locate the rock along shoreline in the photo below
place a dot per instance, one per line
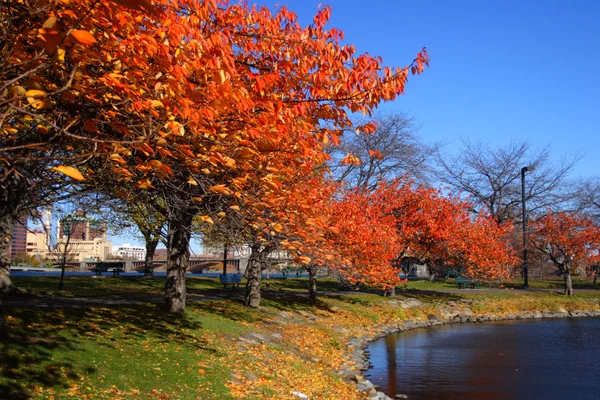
(450, 313)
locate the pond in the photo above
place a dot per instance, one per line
(537, 359)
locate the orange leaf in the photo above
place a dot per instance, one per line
(84, 37)
(70, 172)
(207, 219)
(138, 5)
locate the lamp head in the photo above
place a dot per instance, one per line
(528, 168)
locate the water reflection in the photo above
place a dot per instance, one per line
(542, 359)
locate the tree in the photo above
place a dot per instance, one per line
(61, 66)
(587, 197)
(441, 231)
(138, 214)
(571, 241)
(491, 177)
(310, 232)
(182, 99)
(62, 247)
(393, 150)
(365, 239)
(266, 86)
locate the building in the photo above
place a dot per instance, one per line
(78, 226)
(19, 239)
(81, 238)
(98, 249)
(129, 252)
(160, 255)
(37, 244)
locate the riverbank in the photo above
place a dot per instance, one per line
(449, 313)
(223, 350)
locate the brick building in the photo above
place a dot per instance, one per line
(19, 240)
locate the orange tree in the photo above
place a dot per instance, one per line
(261, 85)
(310, 232)
(571, 241)
(365, 240)
(441, 231)
(62, 97)
(265, 218)
(180, 98)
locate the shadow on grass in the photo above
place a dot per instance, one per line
(554, 284)
(87, 286)
(45, 348)
(430, 295)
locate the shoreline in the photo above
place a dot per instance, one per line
(360, 356)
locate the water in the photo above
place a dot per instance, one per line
(539, 359)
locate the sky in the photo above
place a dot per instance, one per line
(499, 70)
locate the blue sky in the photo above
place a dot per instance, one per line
(500, 70)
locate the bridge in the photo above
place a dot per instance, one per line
(195, 265)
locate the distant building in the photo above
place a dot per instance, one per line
(82, 238)
(79, 226)
(37, 244)
(19, 240)
(160, 255)
(216, 250)
(130, 252)
(82, 250)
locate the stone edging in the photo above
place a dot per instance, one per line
(360, 354)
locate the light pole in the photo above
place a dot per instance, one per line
(525, 266)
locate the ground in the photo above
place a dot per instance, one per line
(108, 338)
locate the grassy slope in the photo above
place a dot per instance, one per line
(139, 352)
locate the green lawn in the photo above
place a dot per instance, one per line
(108, 286)
(135, 352)
(78, 352)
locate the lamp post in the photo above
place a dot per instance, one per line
(67, 224)
(525, 266)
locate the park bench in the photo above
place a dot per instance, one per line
(116, 268)
(287, 272)
(451, 273)
(465, 283)
(233, 279)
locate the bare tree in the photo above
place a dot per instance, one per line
(492, 177)
(135, 215)
(393, 150)
(587, 197)
(63, 247)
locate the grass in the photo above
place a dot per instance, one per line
(106, 352)
(141, 352)
(129, 287)
(547, 284)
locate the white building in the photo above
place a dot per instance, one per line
(37, 244)
(97, 249)
(129, 252)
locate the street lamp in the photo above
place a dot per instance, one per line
(525, 266)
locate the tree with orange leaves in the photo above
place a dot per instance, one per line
(366, 241)
(571, 241)
(181, 98)
(441, 231)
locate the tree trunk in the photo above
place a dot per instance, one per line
(568, 283)
(151, 244)
(7, 224)
(312, 279)
(254, 274)
(178, 256)
(61, 282)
